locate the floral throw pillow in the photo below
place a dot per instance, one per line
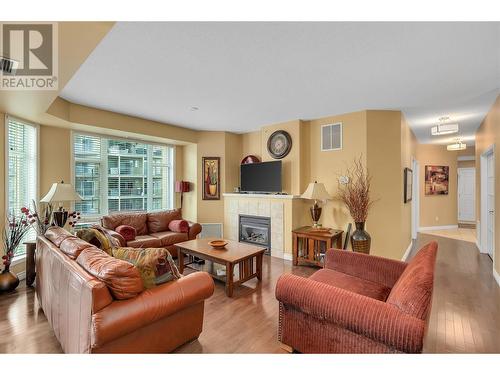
(95, 237)
(155, 266)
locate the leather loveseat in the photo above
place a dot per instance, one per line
(90, 316)
(152, 229)
(358, 304)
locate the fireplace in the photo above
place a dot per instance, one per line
(256, 230)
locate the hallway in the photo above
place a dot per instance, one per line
(465, 315)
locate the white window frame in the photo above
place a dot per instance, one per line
(20, 258)
(104, 167)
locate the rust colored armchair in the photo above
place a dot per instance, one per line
(358, 304)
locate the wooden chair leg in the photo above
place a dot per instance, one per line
(286, 348)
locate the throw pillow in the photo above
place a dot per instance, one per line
(127, 232)
(179, 226)
(99, 238)
(155, 266)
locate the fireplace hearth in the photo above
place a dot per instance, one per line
(256, 230)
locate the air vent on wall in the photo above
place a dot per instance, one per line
(8, 66)
(331, 137)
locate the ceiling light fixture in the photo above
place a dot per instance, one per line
(457, 146)
(443, 128)
(194, 108)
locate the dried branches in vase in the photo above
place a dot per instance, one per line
(42, 220)
(354, 192)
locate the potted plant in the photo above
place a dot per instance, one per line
(14, 232)
(354, 192)
(212, 187)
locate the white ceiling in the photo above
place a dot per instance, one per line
(242, 76)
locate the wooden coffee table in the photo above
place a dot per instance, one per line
(247, 257)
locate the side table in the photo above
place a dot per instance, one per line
(30, 262)
(310, 245)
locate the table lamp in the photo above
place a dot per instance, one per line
(182, 187)
(60, 193)
(317, 192)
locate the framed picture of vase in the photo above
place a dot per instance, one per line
(436, 179)
(211, 178)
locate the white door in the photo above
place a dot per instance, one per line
(466, 194)
(490, 204)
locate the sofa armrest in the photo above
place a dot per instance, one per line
(368, 267)
(362, 315)
(194, 229)
(125, 316)
(115, 235)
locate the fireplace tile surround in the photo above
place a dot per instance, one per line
(284, 211)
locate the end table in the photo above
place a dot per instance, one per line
(310, 245)
(30, 262)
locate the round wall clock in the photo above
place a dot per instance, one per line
(279, 144)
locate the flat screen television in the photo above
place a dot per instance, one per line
(261, 177)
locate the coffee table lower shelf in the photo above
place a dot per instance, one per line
(245, 268)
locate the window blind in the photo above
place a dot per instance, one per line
(22, 169)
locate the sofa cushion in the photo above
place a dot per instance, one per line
(57, 235)
(179, 226)
(155, 266)
(412, 293)
(170, 238)
(158, 221)
(138, 220)
(73, 246)
(121, 277)
(127, 232)
(145, 241)
(352, 283)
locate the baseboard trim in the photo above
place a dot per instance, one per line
(407, 252)
(442, 227)
(287, 256)
(496, 276)
(479, 246)
(21, 275)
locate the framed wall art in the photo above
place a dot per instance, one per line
(408, 188)
(211, 178)
(436, 179)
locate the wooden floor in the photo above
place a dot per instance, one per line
(465, 316)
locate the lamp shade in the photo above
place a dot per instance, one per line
(61, 192)
(316, 191)
(182, 186)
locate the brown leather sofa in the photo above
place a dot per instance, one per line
(152, 229)
(87, 318)
(358, 304)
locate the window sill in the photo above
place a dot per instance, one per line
(18, 260)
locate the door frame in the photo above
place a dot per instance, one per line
(415, 201)
(490, 151)
(458, 190)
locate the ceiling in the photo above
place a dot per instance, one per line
(242, 76)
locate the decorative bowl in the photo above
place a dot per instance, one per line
(218, 244)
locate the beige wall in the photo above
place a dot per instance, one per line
(55, 157)
(327, 166)
(489, 135)
(386, 145)
(438, 210)
(190, 163)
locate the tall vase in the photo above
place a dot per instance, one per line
(360, 239)
(8, 280)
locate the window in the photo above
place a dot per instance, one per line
(120, 175)
(22, 166)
